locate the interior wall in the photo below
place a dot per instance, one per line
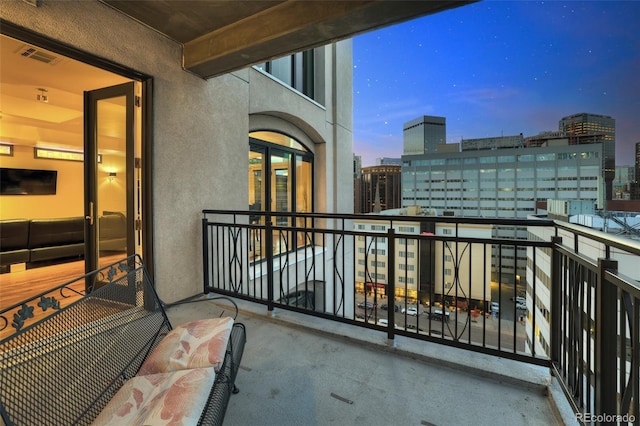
(68, 200)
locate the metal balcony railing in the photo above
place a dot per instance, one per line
(534, 290)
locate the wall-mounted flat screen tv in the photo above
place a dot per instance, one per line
(27, 181)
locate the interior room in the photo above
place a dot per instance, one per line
(42, 197)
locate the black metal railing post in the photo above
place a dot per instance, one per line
(391, 283)
(205, 256)
(606, 371)
(556, 301)
(268, 230)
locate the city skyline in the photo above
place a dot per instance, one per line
(499, 68)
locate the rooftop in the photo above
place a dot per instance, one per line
(300, 370)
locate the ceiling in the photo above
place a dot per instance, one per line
(220, 36)
(57, 123)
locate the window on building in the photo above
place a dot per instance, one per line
(296, 71)
(280, 180)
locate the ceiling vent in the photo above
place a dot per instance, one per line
(27, 51)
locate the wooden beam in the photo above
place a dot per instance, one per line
(294, 26)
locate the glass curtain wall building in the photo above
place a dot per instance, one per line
(423, 134)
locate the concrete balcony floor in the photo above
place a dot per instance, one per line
(301, 370)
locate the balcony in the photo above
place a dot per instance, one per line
(515, 305)
(302, 370)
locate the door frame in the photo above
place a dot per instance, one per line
(91, 202)
(20, 33)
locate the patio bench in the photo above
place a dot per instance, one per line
(109, 355)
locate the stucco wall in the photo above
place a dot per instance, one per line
(200, 127)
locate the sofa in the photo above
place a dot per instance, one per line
(113, 232)
(44, 240)
(51, 239)
(14, 241)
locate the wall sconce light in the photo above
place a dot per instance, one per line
(112, 176)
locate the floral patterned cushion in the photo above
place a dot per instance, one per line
(196, 344)
(175, 398)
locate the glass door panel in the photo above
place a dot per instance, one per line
(281, 201)
(303, 196)
(257, 188)
(110, 202)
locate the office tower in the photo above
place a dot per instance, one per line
(357, 166)
(602, 126)
(636, 183)
(623, 184)
(379, 189)
(423, 135)
(502, 183)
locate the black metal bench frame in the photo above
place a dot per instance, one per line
(64, 368)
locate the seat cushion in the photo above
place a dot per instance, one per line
(196, 344)
(176, 398)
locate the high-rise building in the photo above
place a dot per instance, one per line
(423, 135)
(595, 125)
(379, 189)
(623, 183)
(636, 182)
(357, 166)
(502, 183)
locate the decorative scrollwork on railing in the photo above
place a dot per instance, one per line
(457, 261)
(337, 273)
(19, 315)
(235, 260)
(23, 314)
(628, 395)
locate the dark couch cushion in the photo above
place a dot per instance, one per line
(113, 232)
(56, 232)
(14, 238)
(14, 234)
(57, 252)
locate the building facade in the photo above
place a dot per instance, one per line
(596, 125)
(538, 324)
(422, 135)
(423, 268)
(503, 183)
(379, 189)
(636, 183)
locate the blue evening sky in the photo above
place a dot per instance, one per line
(499, 68)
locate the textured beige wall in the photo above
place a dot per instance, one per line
(200, 127)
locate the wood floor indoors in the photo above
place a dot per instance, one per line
(20, 285)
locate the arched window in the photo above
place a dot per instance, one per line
(280, 177)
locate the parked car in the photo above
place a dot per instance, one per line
(521, 305)
(385, 307)
(439, 315)
(519, 299)
(410, 311)
(368, 305)
(385, 322)
(495, 307)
